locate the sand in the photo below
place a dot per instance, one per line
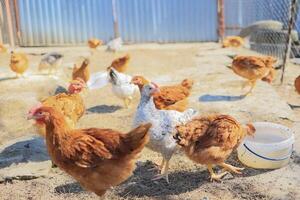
(164, 64)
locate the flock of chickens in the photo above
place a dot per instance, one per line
(102, 158)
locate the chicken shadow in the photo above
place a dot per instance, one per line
(31, 150)
(8, 78)
(69, 188)
(103, 109)
(214, 98)
(140, 184)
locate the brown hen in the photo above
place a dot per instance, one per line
(254, 68)
(170, 97)
(83, 71)
(120, 64)
(18, 63)
(97, 158)
(209, 140)
(93, 43)
(71, 105)
(233, 41)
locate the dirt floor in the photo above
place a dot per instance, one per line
(216, 89)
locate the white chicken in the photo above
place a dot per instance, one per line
(122, 86)
(115, 44)
(163, 126)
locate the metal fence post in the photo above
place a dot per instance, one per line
(115, 19)
(221, 22)
(287, 52)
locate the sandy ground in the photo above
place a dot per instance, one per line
(164, 64)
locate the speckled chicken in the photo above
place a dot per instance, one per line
(83, 71)
(163, 125)
(254, 68)
(297, 84)
(170, 97)
(97, 158)
(51, 61)
(71, 105)
(18, 63)
(233, 41)
(209, 140)
(93, 43)
(121, 64)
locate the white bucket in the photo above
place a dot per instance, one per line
(270, 148)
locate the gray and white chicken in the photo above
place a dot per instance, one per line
(163, 126)
(50, 62)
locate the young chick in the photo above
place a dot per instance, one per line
(51, 61)
(163, 125)
(233, 41)
(170, 97)
(121, 64)
(209, 140)
(97, 158)
(71, 105)
(297, 84)
(83, 71)
(254, 68)
(18, 63)
(122, 86)
(93, 43)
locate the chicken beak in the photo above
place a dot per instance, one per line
(30, 116)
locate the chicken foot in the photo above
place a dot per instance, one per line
(231, 168)
(164, 172)
(213, 175)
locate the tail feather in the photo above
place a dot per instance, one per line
(250, 129)
(113, 76)
(187, 83)
(138, 137)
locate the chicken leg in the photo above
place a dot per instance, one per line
(213, 176)
(231, 168)
(127, 102)
(164, 172)
(252, 85)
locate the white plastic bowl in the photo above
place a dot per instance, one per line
(270, 148)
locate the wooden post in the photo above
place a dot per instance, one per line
(221, 21)
(1, 23)
(9, 23)
(115, 19)
(287, 52)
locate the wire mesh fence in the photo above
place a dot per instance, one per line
(264, 25)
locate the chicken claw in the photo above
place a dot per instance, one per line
(213, 176)
(165, 175)
(231, 168)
